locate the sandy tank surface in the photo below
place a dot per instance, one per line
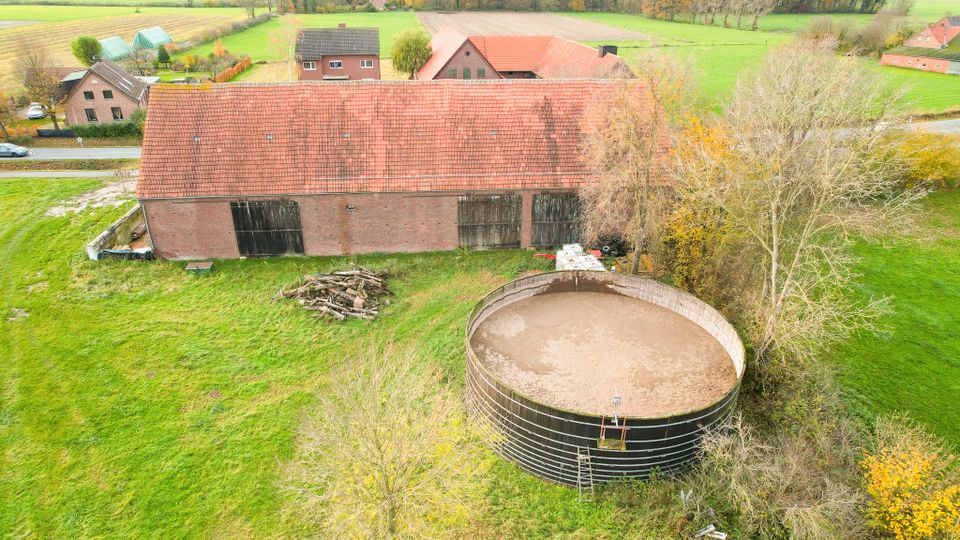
(576, 350)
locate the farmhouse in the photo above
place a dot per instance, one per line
(456, 56)
(102, 94)
(402, 166)
(337, 54)
(936, 48)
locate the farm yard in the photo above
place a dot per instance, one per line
(58, 26)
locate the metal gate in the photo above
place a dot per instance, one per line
(267, 228)
(489, 220)
(556, 219)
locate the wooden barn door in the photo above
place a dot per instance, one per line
(267, 228)
(491, 221)
(555, 219)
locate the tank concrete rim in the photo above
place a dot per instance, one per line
(738, 357)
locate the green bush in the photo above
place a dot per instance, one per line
(118, 129)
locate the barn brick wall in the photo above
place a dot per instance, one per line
(333, 224)
(936, 65)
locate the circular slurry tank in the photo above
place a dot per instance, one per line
(548, 355)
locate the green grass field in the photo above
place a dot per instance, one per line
(256, 41)
(139, 401)
(914, 365)
(719, 55)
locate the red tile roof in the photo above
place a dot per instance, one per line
(444, 44)
(550, 57)
(371, 136)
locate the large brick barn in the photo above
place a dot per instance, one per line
(320, 169)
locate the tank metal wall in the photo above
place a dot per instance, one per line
(547, 441)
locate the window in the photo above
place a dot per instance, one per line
(452, 73)
(466, 73)
(91, 115)
(117, 113)
(336, 64)
(309, 66)
(481, 73)
(108, 94)
(87, 94)
(366, 63)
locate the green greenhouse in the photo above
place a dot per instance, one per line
(151, 38)
(114, 48)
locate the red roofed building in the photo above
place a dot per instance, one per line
(456, 56)
(254, 169)
(936, 48)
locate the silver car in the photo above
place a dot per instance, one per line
(35, 112)
(12, 150)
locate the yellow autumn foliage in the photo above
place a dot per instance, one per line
(932, 159)
(913, 485)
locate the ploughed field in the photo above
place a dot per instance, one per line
(56, 34)
(524, 24)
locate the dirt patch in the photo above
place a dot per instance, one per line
(118, 191)
(526, 24)
(17, 313)
(577, 350)
(14, 24)
(40, 286)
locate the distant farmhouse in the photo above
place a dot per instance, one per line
(391, 166)
(936, 48)
(456, 56)
(103, 94)
(338, 54)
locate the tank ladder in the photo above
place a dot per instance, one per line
(584, 475)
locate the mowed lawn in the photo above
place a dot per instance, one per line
(913, 366)
(255, 42)
(138, 401)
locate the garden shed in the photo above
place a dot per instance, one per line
(151, 38)
(114, 48)
(245, 169)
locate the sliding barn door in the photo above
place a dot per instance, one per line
(556, 218)
(489, 221)
(267, 228)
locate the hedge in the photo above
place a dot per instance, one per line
(117, 129)
(232, 72)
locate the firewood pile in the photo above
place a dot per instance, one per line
(357, 292)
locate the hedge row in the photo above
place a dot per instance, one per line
(232, 72)
(117, 129)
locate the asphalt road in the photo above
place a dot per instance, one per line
(119, 152)
(61, 174)
(939, 126)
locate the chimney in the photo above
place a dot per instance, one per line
(342, 25)
(607, 49)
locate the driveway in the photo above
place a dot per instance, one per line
(938, 126)
(119, 152)
(62, 174)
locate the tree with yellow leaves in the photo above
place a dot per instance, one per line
(913, 483)
(218, 49)
(388, 453)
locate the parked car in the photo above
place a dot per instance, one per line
(12, 150)
(35, 112)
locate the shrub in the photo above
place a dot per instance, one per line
(85, 48)
(913, 483)
(932, 159)
(117, 129)
(232, 72)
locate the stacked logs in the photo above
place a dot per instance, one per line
(357, 292)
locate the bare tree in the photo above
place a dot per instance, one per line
(250, 6)
(806, 165)
(759, 8)
(140, 61)
(627, 153)
(283, 41)
(388, 453)
(7, 114)
(39, 83)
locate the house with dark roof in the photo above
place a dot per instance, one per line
(935, 48)
(338, 54)
(104, 93)
(457, 56)
(247, 169)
